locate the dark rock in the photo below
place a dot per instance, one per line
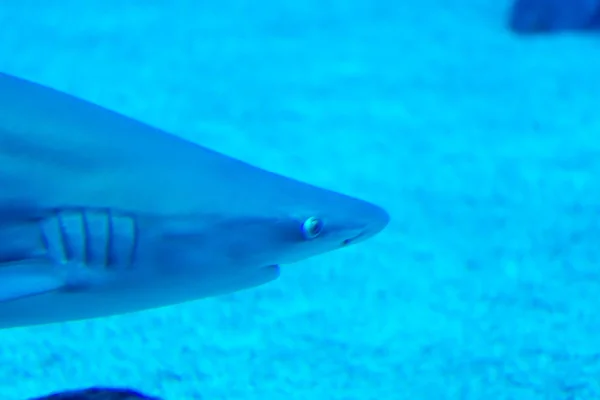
(98, 394)
(545, 16)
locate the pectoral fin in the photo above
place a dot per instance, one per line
(24, 279)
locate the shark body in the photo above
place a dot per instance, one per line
(101, 214)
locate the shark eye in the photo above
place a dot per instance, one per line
(311, 228)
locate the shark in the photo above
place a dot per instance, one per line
(102, 214)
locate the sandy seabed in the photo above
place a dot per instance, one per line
(484, 147)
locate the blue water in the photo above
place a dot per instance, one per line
(484, 147)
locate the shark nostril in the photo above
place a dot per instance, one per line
(353, 239)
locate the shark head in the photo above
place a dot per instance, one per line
(285, 233)
(311, 231)
(303, 221)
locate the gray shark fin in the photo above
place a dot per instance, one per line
(24, 279)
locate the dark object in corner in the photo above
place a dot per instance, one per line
(98, 394)
(545, 16)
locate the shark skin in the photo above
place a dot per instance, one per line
(101, 214)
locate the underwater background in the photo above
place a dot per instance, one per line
(483, 146)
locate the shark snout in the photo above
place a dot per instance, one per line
(373, 219)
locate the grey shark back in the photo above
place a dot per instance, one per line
(101, 214)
